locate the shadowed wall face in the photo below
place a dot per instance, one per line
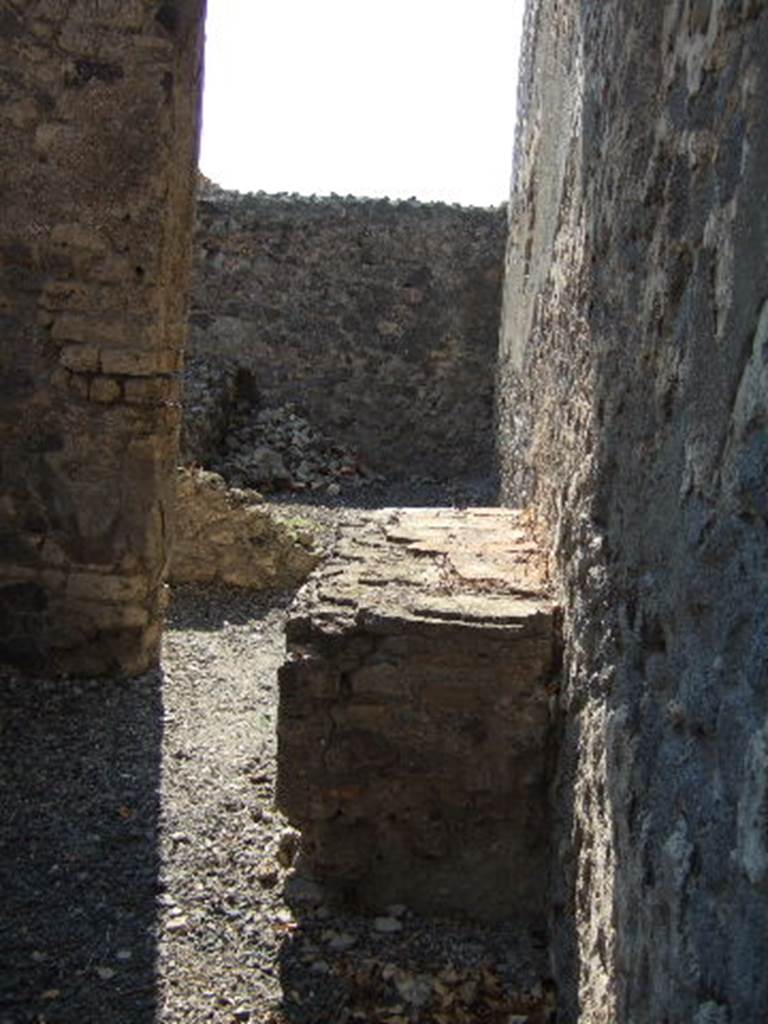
(633, 415)
(97, 153)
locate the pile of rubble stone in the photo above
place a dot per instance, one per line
(230, 535)
(277, 449)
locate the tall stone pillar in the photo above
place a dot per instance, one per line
(98, 134)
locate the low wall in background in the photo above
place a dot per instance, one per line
(378, 319)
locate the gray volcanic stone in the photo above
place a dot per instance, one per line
(634, 418)
(413, 722)
(378, 319)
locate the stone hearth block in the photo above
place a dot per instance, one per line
(413, 723)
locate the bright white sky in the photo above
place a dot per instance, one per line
(398, 98)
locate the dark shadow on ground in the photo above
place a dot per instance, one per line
(79, 861)
(211, 606)
(467, 492)
(337, 967)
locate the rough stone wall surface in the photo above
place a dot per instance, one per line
(634, 381)
(414, 728)
(379, 319)
(99, 119)
(209, 394)
(233, 537)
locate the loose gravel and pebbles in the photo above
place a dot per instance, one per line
(147, 879)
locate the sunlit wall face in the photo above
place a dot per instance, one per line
(403, 98)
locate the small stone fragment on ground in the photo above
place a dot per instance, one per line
(268, 875)
(288, 847)
(303, 890)
(387, 924)
(340, 941)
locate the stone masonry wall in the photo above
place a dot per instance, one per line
(99, 120)
(379, 319)
(634, 381)
(413, 724)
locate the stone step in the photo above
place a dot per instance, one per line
(414, 726)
